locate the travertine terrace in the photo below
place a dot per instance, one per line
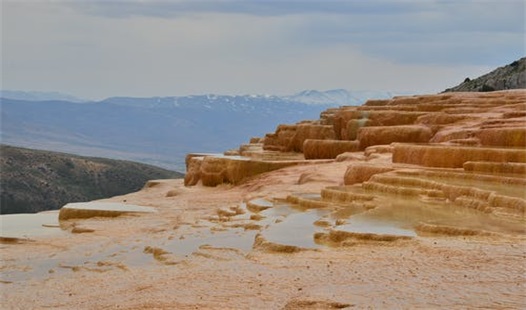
(412, 202)
(453, 149)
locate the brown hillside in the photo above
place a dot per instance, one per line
(34, 180)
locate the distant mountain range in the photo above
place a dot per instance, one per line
(511, 76)
(158, 130)
(329, 97)
(38, 96)
(34, 181)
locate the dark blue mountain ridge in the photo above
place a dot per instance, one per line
(39, 96)
(155, 130)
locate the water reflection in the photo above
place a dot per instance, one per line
(279, 223)
(28, 226)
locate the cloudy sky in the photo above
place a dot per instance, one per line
(96, 49)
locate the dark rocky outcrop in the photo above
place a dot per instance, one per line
(512, 76)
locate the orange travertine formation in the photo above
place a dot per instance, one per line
(464, 150)
(443, 131)
(213, 170)
(328, 149)
(479, 119)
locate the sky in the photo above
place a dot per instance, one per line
(141, 48)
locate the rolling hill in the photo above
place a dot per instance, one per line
(34, 181)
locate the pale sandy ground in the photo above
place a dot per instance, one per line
(120, 264)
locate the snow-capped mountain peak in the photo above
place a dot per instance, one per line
(337, 97)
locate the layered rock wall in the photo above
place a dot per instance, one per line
(444, 156)
(477, 119)
(213, 170)
(328, 149)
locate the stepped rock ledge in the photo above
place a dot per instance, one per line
(410, 202)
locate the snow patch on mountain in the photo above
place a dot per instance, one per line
(339, 97)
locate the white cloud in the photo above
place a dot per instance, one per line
(145, 48)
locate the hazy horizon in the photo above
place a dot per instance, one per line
(73, 97)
